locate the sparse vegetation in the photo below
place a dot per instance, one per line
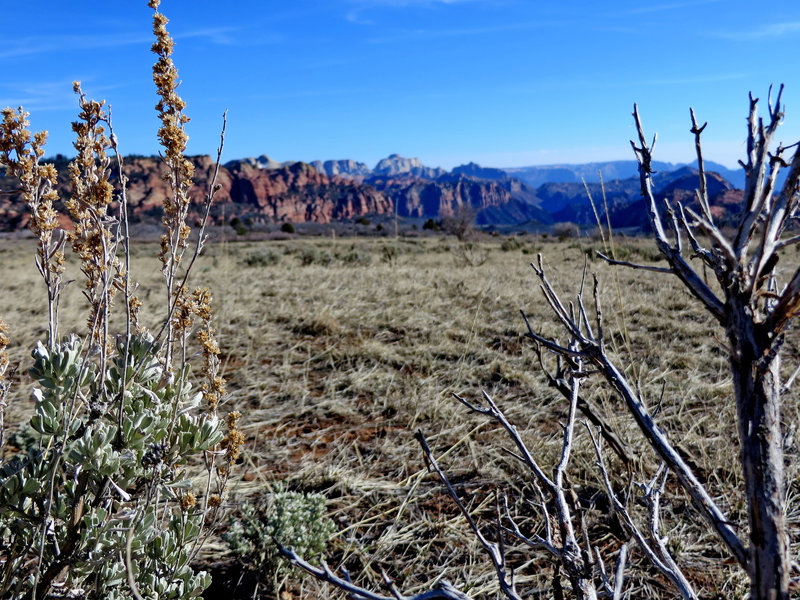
(461, 224)
(566, 230)
(335, 367)
(262, 258)
(431, 225)
(753, 303)
(510, 243)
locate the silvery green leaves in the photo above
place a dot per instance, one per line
(153, 547)
(64, 376)
(56, 368)
(197, 433)
(293, 519)
(98, 490)
(143, 366)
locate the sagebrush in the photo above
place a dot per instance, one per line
(124, 463)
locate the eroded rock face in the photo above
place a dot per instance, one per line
(395, 165)
(345, 168)
(264, 191)
(443, 197)
(300, 193)
(296, 193)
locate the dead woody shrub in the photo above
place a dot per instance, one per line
(753, 303)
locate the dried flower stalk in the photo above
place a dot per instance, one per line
(235, 438)
(94, 238)
(4, 382)
(3, 352)
(179, 170)
(20, 153)
(214, 387)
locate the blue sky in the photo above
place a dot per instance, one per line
(500, 82)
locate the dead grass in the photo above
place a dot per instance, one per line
(336, 351)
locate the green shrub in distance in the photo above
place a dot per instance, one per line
(389, 253)
(510, 243)
(238, 226)
(355, 257)
(311, 255)
(262, 258)
(287, 227)
(431, 225)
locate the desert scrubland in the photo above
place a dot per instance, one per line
(336, 351)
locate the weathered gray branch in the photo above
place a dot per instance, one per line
(654, 548)
(754, 315)
(592, 351)
(493, 550)
(577, 562)
(702, 192)
(558, 381)
(324, 573)
(671, 250)
(625, 263)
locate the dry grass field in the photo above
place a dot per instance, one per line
(336, 351)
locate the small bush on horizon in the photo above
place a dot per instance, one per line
(510, 243)
(566, 229)
(431, 225)
(263, 258)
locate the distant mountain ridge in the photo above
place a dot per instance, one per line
(534, 176)
(262, 190)
(616, 169)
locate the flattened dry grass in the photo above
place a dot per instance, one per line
(336, 351)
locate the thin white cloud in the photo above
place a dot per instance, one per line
(231, 36)
(36, 45)
(33, 45)
(651, 8)
(763, 32)
(417, 34)
(51, 95)
(355, 15)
